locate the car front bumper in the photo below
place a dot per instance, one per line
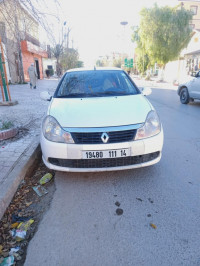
(68, 157)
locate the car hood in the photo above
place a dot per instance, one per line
(100, 111)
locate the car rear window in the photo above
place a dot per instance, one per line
(96, 83)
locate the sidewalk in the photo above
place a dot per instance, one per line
(153, 83)
(15, 153)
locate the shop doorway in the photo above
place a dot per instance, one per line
(37, 68)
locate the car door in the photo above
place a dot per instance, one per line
(194, 89)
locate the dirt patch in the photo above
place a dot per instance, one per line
(26, 204)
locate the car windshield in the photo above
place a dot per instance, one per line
(96, 83)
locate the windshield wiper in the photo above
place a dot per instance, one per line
(72, 95)
(80, 95)
(116, 93)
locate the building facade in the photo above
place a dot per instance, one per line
(194, 7)
(49, 64)
(188, 63)
(32, 54)
(19, 32)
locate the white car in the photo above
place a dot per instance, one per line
(98, 120)
(190, 90)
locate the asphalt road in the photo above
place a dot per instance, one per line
(82, 227)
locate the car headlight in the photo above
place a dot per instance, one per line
(150, 128)
(54, 132)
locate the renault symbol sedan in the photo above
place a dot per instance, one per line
(98, 120)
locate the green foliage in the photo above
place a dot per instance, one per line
(117, 63)
(142, 62)
(51, 72)
(136, 37)
(57, 51)
(80, 64)
(69, 59)
(100, 63)
(5, 125)
(163, 32)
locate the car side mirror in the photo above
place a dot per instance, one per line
(44, 95)
(146, 91)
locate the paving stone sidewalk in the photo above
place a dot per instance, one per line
(27, 115)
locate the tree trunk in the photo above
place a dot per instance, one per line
(161, 73)
(20, 64)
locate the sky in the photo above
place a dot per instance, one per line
(95, 24)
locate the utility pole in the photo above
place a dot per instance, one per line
(68, 31)
(3, 76)
(18, 37)
(123, 23)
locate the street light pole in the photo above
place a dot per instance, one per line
(63, 33)
(123, 23)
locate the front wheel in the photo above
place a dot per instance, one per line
(184, 96)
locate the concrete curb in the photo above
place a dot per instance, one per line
(24, 166)
(9, 103)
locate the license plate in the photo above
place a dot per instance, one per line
(105, 154)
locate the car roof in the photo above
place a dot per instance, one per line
(93, 68)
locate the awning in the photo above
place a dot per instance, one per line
(197, 52)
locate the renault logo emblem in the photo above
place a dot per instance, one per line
(104, 137)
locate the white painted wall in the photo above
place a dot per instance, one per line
(48, 61)
(175, 71)
(193, 45)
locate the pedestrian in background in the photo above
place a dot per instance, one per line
(32, 75)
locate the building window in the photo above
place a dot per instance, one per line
(194, 9)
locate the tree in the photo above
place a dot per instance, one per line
(69, 58)
(117, 62)
(164, 32)
(80, 64)
(99, 63)
(57, 52)
(142, 59)
(142, 62)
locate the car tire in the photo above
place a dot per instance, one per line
(184, 96)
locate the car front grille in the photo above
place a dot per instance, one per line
(103, 163)
(95, 137)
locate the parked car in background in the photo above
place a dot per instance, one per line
(98, 120)
(190, 90)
